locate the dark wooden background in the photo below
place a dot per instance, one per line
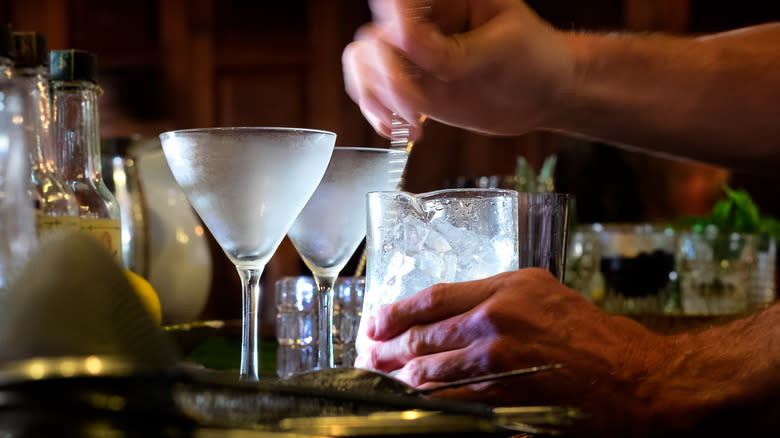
(171, 64)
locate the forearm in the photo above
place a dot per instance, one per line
(722, 380)
(713, 99)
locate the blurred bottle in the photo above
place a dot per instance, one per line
(55, 204)
(75, 115)
(17, 234)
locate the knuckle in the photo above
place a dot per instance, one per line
(411, 342)
(452, 332)
(496, 356)
(389, 311)
(539, 274)
(448, 64)
(436, 296)
(383, 319)
(373, 357)
(415, 372)
(491, 315)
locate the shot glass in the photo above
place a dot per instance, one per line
(296, 325)
(348, 309)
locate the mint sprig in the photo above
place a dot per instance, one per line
(738, 213)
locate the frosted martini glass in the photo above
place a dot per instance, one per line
(331, 226)
(248, 185)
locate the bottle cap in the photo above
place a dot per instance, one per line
(6, 48)
(30, 49)
(73, 65)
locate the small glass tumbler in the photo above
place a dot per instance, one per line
(296, 325)
(348, 308)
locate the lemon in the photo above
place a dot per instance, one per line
(146, 293)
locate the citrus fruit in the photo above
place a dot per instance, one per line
(146, 293)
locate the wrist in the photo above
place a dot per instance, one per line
(707, 381)
(568, 101)
(670, 395)
(666, 391)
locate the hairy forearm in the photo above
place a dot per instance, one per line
(723, 380)
(714, 99)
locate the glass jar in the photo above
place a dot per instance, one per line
(715, 270)
(637, 265)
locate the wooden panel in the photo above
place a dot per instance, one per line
(48, 17)
(268, 98)
(325, 69)
(186, 46)
(174, 43)
(133, 102)
(202, 65)
(239, 19)
(120, 31)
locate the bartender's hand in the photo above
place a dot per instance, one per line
(493, 55)
(515, 320)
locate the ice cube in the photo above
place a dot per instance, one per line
(436, 243)
(407, 236)
(398, 266)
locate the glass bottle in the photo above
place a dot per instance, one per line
(55, 204)
(75, 95)
(17, 234)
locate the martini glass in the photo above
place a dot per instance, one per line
(248, 185)
(331, 226)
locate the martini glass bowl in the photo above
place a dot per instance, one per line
(331, 226)
(248, 185)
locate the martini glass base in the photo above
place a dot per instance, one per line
(325, 358)
(250, 335)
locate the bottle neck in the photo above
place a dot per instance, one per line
(75, 116)
(37, 113)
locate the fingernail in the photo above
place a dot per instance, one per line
(402, 375)
(371, 327)
(360, 361)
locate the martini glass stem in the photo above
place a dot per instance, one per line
(250, 337)
(325, 357)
